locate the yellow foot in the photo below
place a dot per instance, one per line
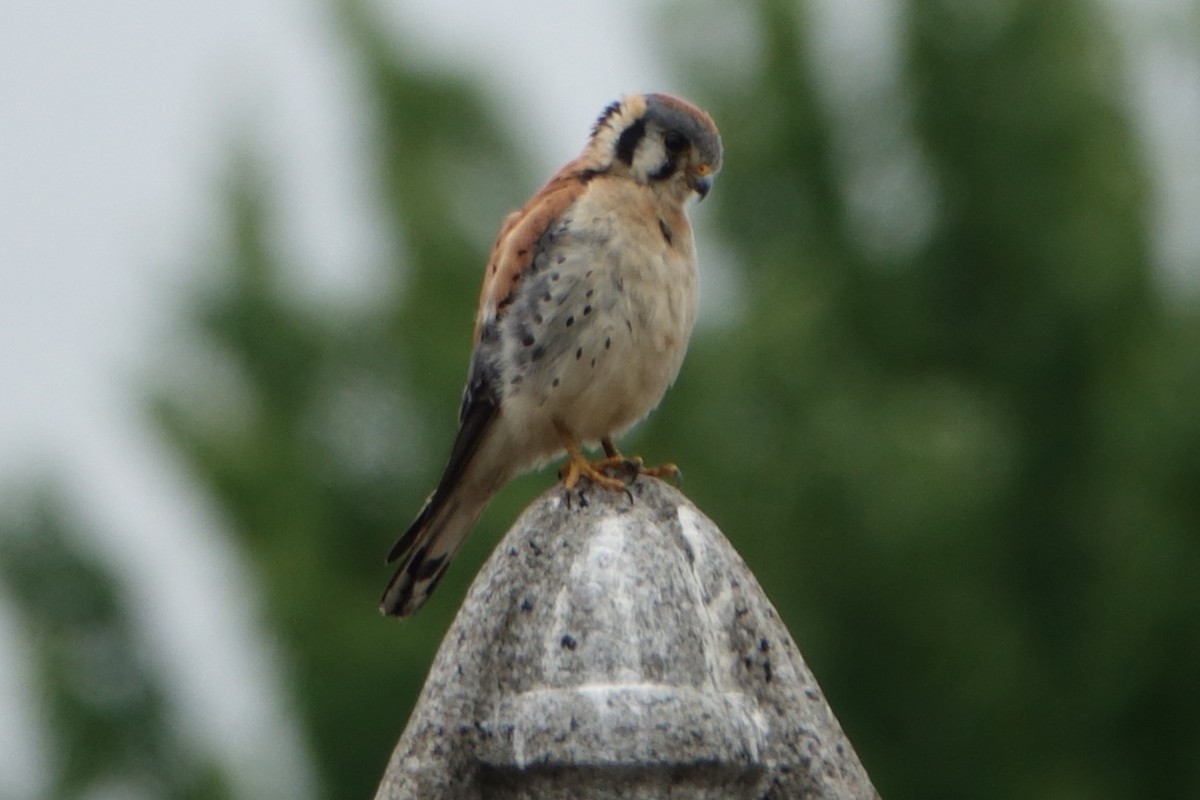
(578, 466)
(598, 472)
(666, 471)
(613, 460)
(594, 471)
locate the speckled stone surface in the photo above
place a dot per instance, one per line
(615, 646)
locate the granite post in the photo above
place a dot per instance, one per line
(615, 646)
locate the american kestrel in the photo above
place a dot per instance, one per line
(584, 317)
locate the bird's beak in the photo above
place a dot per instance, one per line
(702, 180)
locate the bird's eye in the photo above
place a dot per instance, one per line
(675, 142)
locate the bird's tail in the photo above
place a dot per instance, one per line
(427, 546)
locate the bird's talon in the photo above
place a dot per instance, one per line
(636, 466)
(626, 469)
(665, 472)
(575, 469)
(601, 471)
(577, 465)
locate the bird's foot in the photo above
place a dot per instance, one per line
(614, 472)
(666, 471)
(578, 466)
(636, 466)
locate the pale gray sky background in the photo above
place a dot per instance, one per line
(115, 122)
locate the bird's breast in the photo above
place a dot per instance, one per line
(599, 327)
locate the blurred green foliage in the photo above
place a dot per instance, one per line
(104, 708)
(964, 466)
(970, 468)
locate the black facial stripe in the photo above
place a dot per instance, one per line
(630, 137)
(665, 171)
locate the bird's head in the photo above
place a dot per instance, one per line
(658, 140)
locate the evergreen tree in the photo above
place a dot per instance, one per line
(962, 469)
(100, 701)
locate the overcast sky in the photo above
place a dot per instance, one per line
(115, 121)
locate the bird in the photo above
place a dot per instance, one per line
(586, 309)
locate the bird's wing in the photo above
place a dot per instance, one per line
(462, 493)
(517, 244)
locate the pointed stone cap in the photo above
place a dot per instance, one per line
(615, 645)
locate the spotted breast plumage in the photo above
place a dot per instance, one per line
(584, 316)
